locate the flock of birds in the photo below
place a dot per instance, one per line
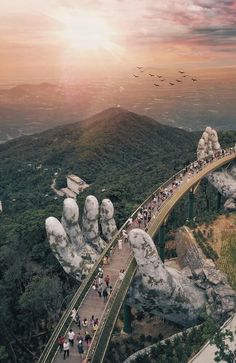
(162, 79)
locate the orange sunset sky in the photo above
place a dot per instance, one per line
(60, 39)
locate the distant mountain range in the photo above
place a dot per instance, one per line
(31, 108)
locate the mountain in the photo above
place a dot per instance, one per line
(30, 108)
(102, 150)
(122, 155)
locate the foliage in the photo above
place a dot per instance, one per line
(122, 156)
(180, 349)
(221, 340)
(227, 260)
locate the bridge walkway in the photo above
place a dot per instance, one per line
(93, 304)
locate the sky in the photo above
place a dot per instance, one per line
(71, 39)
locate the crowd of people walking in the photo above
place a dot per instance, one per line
(82, 338)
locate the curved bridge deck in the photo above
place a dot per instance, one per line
(86, 300)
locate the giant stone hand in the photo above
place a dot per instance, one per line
(77, 250)
(176, 295)
(224, 179)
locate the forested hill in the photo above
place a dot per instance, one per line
(124, 156)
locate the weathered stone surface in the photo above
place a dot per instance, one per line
(160, 290)
(76, 251)
(90, 224)
(61, 247)
(177, 296)
(224, 179)
(107, 220)
(70, 222)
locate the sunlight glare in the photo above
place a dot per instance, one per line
(86, 31)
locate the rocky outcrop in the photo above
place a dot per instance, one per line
(188, 252)
(176, 295)
(77, 251)
(224, 179)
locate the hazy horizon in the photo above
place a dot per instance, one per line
(93, 49)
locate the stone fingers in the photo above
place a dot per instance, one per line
(90, 224)
(153, 272)
(107, 220)
(208, 144)
(61, 247)
(70, 217)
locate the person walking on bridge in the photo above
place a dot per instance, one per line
(66, 349)
(120, 243)
(105, 295)
(80, 348)
(61, 341)
(107, 280)
(71, 337)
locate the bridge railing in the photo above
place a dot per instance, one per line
(65, 321)
(117, 287)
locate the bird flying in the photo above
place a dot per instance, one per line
(139, 67)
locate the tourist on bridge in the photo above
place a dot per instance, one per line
(61, 341)
(121, 274)
(71, 336)
(95, 325)
(85, 323)
(105, 260)
(100, 290)
(100, 272)
(105, 295)
(77, 321)
(120, 244)
(73, 315)
(92, 320)
(107, 280)
(87, 338)
(125, 235)
(79, 337)
(66, 349)
(80, 348)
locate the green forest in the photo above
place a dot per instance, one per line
(124, 157)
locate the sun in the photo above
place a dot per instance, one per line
(86, 31)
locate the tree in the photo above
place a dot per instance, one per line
(224, 352)
(3, 354)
